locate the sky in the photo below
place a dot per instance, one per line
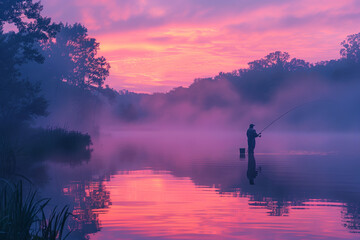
(157, 45)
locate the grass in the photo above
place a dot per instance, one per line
(71, 146)
(23, 215)
(37, 145)
(58, 141)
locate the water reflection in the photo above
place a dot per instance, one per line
(274, 207)
(169, 192)
(351, 216)
(251, 171)
(154, 204)
(90, 199)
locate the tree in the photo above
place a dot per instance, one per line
(74, 55)
(280, 61)
(351, 48)
(30, 26)
(20, 100)
(274, 59)
(297, 64)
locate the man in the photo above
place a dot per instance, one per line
(251, 135)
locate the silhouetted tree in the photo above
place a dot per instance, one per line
(280, 61)
(297, 64)
(351, 48)
(19, 99)
(30, 26)
(72, 54)
(277, 59)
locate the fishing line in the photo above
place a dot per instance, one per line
(282, 115)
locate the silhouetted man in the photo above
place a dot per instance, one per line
(251, 135)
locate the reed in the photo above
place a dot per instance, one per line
(23, 215)
(69, 146)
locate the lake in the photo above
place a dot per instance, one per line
(193, 185)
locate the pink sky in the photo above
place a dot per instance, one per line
(156, 45)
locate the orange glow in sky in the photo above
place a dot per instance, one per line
(156, 45)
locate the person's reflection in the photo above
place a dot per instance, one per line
(251, 172)
(351, 216)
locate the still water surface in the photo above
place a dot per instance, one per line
(151, 185)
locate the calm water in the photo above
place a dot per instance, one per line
(176, 185)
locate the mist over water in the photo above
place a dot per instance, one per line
(185, 185)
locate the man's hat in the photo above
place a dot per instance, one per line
(251, 125)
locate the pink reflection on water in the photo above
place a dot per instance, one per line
(201, 190)
(155, 204)
(90, 199)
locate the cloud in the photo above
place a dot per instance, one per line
(179, 40)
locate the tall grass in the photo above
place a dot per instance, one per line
(32, 146)
(70, 146)
(23, 215)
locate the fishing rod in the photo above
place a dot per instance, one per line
(282, 115)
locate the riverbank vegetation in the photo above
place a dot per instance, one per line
(24, 215)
